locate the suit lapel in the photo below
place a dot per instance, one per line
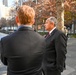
(55, 30)
(51, 34)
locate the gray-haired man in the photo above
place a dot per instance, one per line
(56, 43)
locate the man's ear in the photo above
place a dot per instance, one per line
(33, 21)
(53, 24)
(17, 20)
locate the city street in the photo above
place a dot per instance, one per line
(70, 60)
(42, 16)
(71, 56)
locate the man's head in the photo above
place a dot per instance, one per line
(50, 23)
(25, 15)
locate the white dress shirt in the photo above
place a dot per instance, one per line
(52, 30)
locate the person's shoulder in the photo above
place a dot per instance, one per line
(5, 38)
(60, 32)
(8, 36)
(39, 35)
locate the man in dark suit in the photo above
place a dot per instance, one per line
(56, 43)
(22, 51)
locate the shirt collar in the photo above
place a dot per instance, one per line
(28, 26)
(25, 26)
(52, 30)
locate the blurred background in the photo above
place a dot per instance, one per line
(44, 9)
(63, 10)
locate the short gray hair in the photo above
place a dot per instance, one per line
(53, 19)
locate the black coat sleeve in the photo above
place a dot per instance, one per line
(61, 50)
(3, 58)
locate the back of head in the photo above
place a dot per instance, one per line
(25, 14)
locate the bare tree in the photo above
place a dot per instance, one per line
(3, 22)
(60, 14)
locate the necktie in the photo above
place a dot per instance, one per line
(47, 35)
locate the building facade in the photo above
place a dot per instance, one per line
(5, 2)
(4, 11)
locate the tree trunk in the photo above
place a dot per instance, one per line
(60, 14)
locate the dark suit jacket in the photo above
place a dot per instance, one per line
(22, 52)
(54, 58)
